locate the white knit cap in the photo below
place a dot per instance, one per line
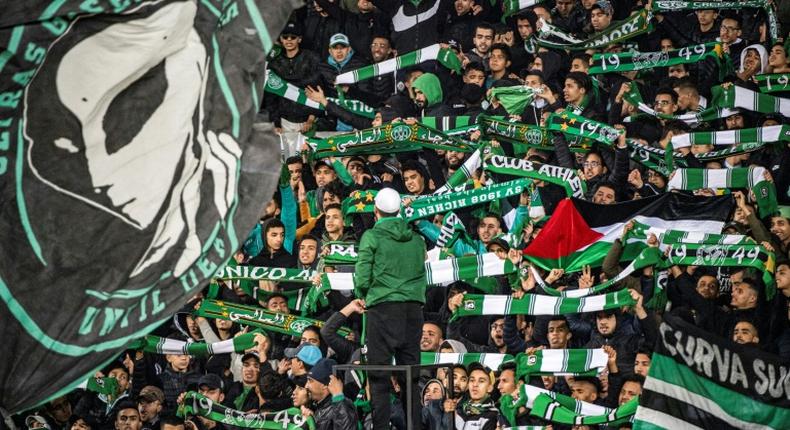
(388, 201)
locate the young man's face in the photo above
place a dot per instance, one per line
(462, 7)
(414, 182)
(706, 17)
(487, 229)
(667, 45)
(507, 382)
(498, 61)
(290, 41)
(419, 98)
(606, 324)
(641, 364)
(122, 377)
(215, 394)
(584, 391)
(677, 71)
(593, 166)
(743, 297)
(599, 19)
(729, 31)
(605, 196)
(708, 287)
(128, 419)
(329, 199)
(300, 396)
(473, 76)
(629, 390)
(250, 370)
(479, 385)
(179, 362)
(782, 277)
(277, 304)
(149, 409)
(498, 332)
(295, 169)
(432, 392)
(333, 221)
(578, 65)
(780, 226)
(744, 333)
(324, 175)
(525, 29)
(310, 337)
(483, 39)
(380, 49)
(308, 250)
(572, 92)
(460, 381)
(339, 52)
(564, 7)
(558, 334)
(663, 103)
(275, 237)
(431, 337)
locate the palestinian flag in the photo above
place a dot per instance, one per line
(701, 381)
(581, 232)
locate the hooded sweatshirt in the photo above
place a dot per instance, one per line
(429, 84)
(763, 57)
(390, 264)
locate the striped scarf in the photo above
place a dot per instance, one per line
(340, 253)
(528, 393)
(280, 87)
(695, 179)
(770, 134)
(451, 230)
(640, 232)
(163, 345)
(773, 82)
(567, 178)
(451, 125)
(254, 316)
(445, 56)
(625, 62)
(492, 361)
(514, 99)
(514, 132)
(714, 112)
(744, 255)
(464, 173)
(648, 257)
(425, 206)
(552, 410)
(562, 362)
(553, 37)
(579, 126)
(195, 404)
(675, 5)
(260, 273)
(360, 201)
(533, 304)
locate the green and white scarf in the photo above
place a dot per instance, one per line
(426, 206)
(107, 385)
(770, 134)
(464, 173)
(562, 362)
(451, 125)
(751, 178)
(648, 257)
(514, 99)
(451, 230)
(444, 56)
(716, 111)
(626, 62)
(553, 37)
(492, 361)
(652, 158)
(640, 232)
(512, 7)
(744, 255)
(534, 304)
(389, 138)
(340, 253)
(675, 5)
(280, 87)
(200, 405)
(552, 410)
(360, 201)
(254, 316)
(512, 131)
(163, 345)
(567, 178)
(528, 393)
(259, 273)
(773, 82)
(579, 126)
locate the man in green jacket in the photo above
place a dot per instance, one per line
(390, 277)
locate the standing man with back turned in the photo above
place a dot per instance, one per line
(390, 277)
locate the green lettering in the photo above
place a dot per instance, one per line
(24, 77)
(207, 267)
(219, 246)
(91, 6)
(87, 321)
(3, 165)
(157, 306)
(111, 317)
(125, 320)
(56, 26)
(5, 140)
(190, 283)
(10, 99)
(34, 53)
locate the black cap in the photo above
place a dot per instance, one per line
(292, 28)
(211, 381)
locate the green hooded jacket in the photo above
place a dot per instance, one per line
(429, 84)
(390, 264)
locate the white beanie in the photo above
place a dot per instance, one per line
(388, 201)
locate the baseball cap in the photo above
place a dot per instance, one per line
(338, 39)
(251, 354)
(485, 369)
(211, 381)
(310, 354)
(322, 370)
(388, 201)
(149, 393)
(454, 44)
(604, 5)
(783, 211)
(322, 162)
(292, 28)
(499, 240)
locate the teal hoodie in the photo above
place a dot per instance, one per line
(429, 84)
(390, 264)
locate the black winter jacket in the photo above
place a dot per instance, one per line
(338, 415)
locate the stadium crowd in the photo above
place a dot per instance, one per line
(313, 209)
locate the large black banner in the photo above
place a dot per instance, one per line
(129, 171)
